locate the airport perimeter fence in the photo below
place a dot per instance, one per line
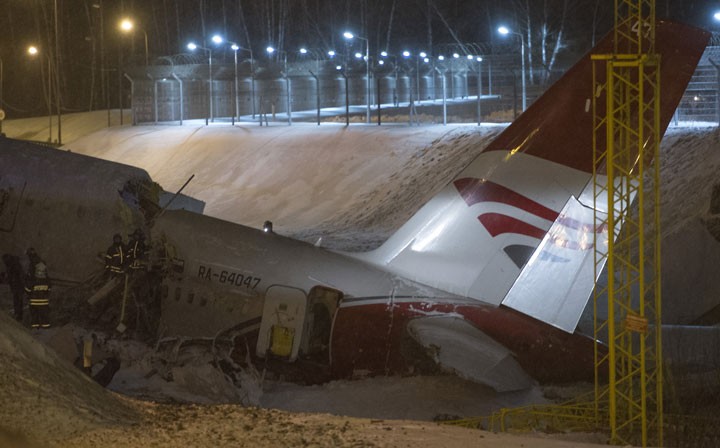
(186, 87)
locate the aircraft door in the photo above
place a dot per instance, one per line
(282, 322)
(322, 304)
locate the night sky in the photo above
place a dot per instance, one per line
(92, 47)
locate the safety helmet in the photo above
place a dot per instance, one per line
(137, 234)
(40, 270)
(32, 255)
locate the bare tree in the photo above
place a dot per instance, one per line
(547, 36)
(390, 25)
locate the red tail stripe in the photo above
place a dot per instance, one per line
(474, 191)
(497, 224)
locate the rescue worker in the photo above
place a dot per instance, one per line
(37, 286)
(137, 251)
(15, 279)
(33, 259)
(116, 257)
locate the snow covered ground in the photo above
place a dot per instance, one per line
(352, 186)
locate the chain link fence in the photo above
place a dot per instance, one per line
(187, 87)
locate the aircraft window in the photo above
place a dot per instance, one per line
(178, 293)
(165, 291)
(203, 301)
(191, 297)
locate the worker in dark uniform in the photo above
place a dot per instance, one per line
(116, 257)
(37, 286)
(137, 252)
(33, 259)
(15, 279)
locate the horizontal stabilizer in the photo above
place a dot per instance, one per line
(459, 347)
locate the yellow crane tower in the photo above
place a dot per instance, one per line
(626, 108)
(626, 138)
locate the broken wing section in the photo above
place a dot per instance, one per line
(461, 348)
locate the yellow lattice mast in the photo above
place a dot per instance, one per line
(626, 136)
(626, 107)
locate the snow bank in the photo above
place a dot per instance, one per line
(41, 394)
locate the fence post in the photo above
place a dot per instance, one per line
(717, 90)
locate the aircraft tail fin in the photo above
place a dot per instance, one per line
(524, 194)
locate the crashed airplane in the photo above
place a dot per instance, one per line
(487, 280)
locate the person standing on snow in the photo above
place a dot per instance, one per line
(37, 286)
(137, 251)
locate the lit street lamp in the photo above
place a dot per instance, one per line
(33, 52)
(57, 73)
(422, 55)
(348, 35)
(479, 60)
(217, 39)
(271, 50)
(505, 31)
(235, 47)
(127, 26)
(316, 54)
(192, 46)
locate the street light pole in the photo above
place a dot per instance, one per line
(349, 35)
(504, 31)
(128, 26)
(479, 60)
(192, 46)
(316, 54)
(367, 78)
(522, 55)
(285, 74)
(235, 49)
(1, 93)
(33, 51)
(57, 75)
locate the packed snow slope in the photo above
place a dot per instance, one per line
(302, 176)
